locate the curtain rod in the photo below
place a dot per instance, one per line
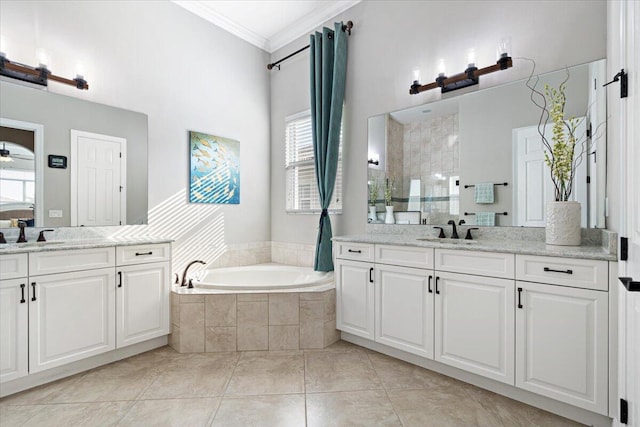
(347, 28)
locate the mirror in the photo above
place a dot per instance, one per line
(89, 164)
(435, 154)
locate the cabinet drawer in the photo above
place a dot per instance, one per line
(578, 273)
(13, 266)
(406, 256)
(70, 260)
(142, 254)
(491, 264)
(354, 251)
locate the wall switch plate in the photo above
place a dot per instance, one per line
(55, 213)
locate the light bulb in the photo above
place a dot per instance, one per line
(416, 75)
(471, 58)
(80, 70)
(442, 69)
(504, 47)
(43, 57)
(3, 46)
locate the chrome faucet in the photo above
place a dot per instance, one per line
(454, 233)
(184, 275)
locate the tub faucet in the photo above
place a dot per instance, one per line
(184, 275)
(454, 233)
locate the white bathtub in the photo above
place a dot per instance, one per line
(262, 278)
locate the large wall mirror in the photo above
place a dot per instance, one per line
(70, 162)
(438, 155)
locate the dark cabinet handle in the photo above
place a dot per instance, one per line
(22, 300)
(630, 284)
(33, 285)
(558, 271)
(355, 252)
(371, 275)
(519, 297)
(437, 280)
(144, 253)
(429, 286)
(119, 279)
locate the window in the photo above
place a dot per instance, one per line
(17, 186)
(302, 189)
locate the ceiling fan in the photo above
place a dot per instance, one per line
(6, 156)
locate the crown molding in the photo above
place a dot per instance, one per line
(308, 23)
(294, 31)
(200, 8)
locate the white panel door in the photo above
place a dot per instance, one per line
(97, 187)
(474, 324)
(355, 298)
(14, 321)
(404, 309)
(71, 317)
(142, 303)
(562, 344)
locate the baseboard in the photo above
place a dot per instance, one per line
(59, 372)
(542, 402)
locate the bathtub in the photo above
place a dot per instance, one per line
(263, 278)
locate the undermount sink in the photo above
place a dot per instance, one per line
(447, 240)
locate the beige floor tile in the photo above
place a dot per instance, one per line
(269, 411)
(342, 347)
(171, 412)
(124, 380)
(351, 408)
(268, 373)
(47, 393)
(17, 415)
(516, 414)
(203, 375)
(339, 371)
(440, 406)
(396, 374)
(79, 414)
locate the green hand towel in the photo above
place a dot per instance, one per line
(486, 218)
(484, 193)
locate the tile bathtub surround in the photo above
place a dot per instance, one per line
(297, 254)
(230, 322)
(342, 384)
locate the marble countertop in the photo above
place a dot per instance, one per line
(56, 245)
(515, 246)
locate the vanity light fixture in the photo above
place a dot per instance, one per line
(470, 76)
(37, 75)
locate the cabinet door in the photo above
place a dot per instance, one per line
(13, 329)
(142, 303)
(561, 344)
(354, 298)
(404, 309)
(475, 324)
(71, 317)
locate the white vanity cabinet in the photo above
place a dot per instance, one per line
(142, 289)
(562, 330)
(355, 297)
(14, 356)
(71, 315)
(474, 313)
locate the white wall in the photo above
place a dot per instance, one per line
(390, 38)
(186, 74)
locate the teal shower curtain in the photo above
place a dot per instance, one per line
(328, 74)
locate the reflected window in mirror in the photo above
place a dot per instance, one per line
(17, 177)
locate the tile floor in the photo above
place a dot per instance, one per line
(342, 385)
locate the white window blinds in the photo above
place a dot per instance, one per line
(301, 186)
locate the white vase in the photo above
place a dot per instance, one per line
(373, 215)
(563, 223)
(388, 218)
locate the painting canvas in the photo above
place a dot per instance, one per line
(214, 169)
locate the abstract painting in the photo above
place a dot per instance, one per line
(214, 169)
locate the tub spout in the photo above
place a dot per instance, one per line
(184, 275)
